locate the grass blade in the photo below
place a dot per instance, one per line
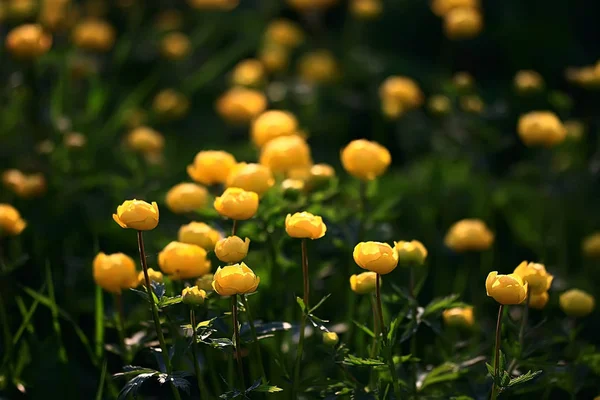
(62, 352)
(102, 380)
(99, 312)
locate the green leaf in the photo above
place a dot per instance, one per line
(268, 389)
(319, 304)
(446, 372)
(169, 301)
(132, 387)
(523, 378)
(490, 369)
(301, 304)
(362, 362)
(505, 379)
(440, 304)
(364, 328)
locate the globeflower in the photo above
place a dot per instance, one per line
(365, 160)
(469, 235)
(376, 256)
(577, 303)
(211, 166)
(506, 289)
(11, 222)
(114, 272)
(535, 275)
(183, 260)
(235, 279)
(186, 197)
(237, 204)
(363, 283)
(137, 214)
(541, 128)
(305, 225)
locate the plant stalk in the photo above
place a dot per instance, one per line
(495, 388)
(524, 319)
(236, 333)
(296, 382)
(234, 227)
(389, 355)
(199, 379)
(263, 375)
(120, 323)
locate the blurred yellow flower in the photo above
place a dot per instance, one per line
(311, 5)
(114, 272)
(183, 261)
(392, 108)
(232, 249)
(137, 214)
(538, 301)
(442, 7)
(591, 245)
(200, 234)
(235, 279)
(205, 282)
(463, 81)
(237, 204)
(193, 296)
(304, 225)
(285, 153)
(366, 9)
(175, 46)
(94, 35)
(23, 185)
(274, 57)
(240, 105)
(28, 41)
(410, 253)
(365, 160)
(541, 128)
(284, 32)
(439, 104)
(535, 275)
(363, 283)
(577, 303)
(319, 66)
(250, 72)
(20, 9)
(506, 289)
(472, 104)
(376, 256)
(211, 166)
(527, 81)
(154, 276)
(224, 5)
(186, 197)
(330, 339)
(460, 317)
(463, 23)
(292, 187)
(74, 140)
(145, 140)
(251, 177)
(11, 222)
(170, 104)
(272, 124)
(401, 90)
(469, 235)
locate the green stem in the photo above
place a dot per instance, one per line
(495, 388)
(374, 346)
(263, 375)
(120, 323)
(513, 363)
(413, 339)
(157, 327)
(388, 346)
(234, 227)
(296, 382)
(199, 379)
(236, 333)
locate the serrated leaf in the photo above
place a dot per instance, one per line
(319, 304)
(490, 369)
(362, 362)
(132, 387)
(524, 378)
(505, 379)
(440, 304)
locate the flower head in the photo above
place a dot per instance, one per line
(538, 301)
(235, 279)
(200, 234)
(273, 124)
(251, 177)
(463, 23)
(183, 260)
(205, 282)
(145, 140)
(186, 197)
(240, 105)
(412, 252)
(236, 203)
(154, 276)
(114, 272)
(376, 256)
(137, 214)
(305, 225)
(211, 167)
(363, 283)
(193, 296)
(330, 338)
(469, 235)
(506, 289)
(365, 160)
(591, 245)
(535, 275)
(461, 317)
(11, 222)
(28, 41)
(232, 249)
(175, 46)
(249, 72)
(541, 128)
(94, 35)
(577, 303)
(284, 153)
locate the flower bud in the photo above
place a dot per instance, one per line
(200, 234)
(506, 289)
(411, 253)
(235, 279)
(211, 166)
(170, 104)
(442, 7)
(240, 105)
(183, 261)
(236, 203)
(28, 41)
(145, 140)
(458, 317)
(175, 46)
(463, 23)
(591, 245)
(363, 283)
(193, 296)
(284, 33)
(538, 301)
(205, 282)
(376, 256)
(535, 275)
(251, 177)
(272, 124)
(186, 197)
(137, 214)
(527, 81)
(249, 72)
(304, 225)
(11, 222)
(541, 128)
(285, 153)
(469, 235)
(317, 67)
(330, 339)
(154, 276)
(401, 90)
(232, 249)
(114, 272)
(94, 35)
(576, 303)
(365, 160)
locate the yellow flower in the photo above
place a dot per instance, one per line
(469, 234)
(527, 81)
(200, 234)
(154, 276)
(137, 214)
(366, 9)
(538, 301)
(235, 279)
(439, 104)
(232, 249)
(292, 187)
(375, 256)
(577, 303)
(535, 275)
(251, 177)
(274, 57)
(240, 105)
(442, 7)
(285, 153)
(13, 179)
(11, 222)
(236, 203)
(94, 35)
(319, 66)
(365, 160)
(25, 186)
(28, 41)
(145, 140)
(272, 124)
(193, 296)
(591, 245)
(541, 128)
(401, 90)
(463, 81)
(211, 166)
(175, 46)
(225, 5)
(321, 172)
(114, 272)
(506, 289)
(170, 104)
(412, 252)
(472, 104)
(305, 225)
(363, 283)
(186, 197)
(463, 23)
(330, 338)
(285, 33)
(249, 72)
(461, 317)
(205, 282)
(183, 260)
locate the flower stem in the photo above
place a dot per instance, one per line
(263, 375)
(157, 327)
(524, 319)
(234, 227)
(495, 388)
(413, 339)
(296, 381)
(236, 333)
(120, 323)
(388, 346)
(199, 379)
